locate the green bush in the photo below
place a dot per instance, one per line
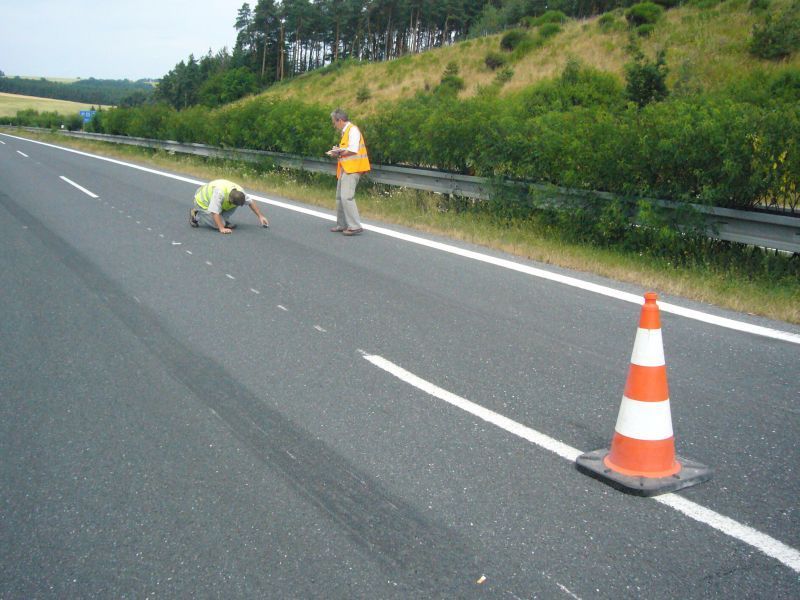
(551, 16)
(73, 122)
(645, 30)
(644, 13)
(494, 60)
(646, 80)
(504, 75)
(512, 39)
(451, 83)
(778, 36)
(150, 121)
(363, 94)
(608, 22)
(526, 46)
(549, 30)
(193, 125)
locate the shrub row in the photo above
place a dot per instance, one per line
(47, 120)
(577, 131)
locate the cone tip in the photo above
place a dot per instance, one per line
(649, 318)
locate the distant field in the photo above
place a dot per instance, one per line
(56, 79)
(11, 103)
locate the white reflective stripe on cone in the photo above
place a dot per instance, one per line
(644, 420)
(648, 349)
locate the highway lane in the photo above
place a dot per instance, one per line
(390, 492)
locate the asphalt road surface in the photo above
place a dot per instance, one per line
(290, 413)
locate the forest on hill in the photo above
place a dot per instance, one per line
(280, 40)
(116, 92)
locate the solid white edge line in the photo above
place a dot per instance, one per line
(766, 544)
(81, 188)
(773, 548)
(688, 313)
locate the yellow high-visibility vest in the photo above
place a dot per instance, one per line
(357, 163)
(203, 196)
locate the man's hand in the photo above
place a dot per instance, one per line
(263, 220)
(225, 230)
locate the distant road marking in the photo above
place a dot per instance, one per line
(81, 188)
(255, 291)
(23, 154)
(320, 329)
(229, 276)
(2, 142)
(761, 541)
(667, 307)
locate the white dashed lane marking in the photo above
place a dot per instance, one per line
(81, 188)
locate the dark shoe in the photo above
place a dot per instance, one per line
(350, 231)
(230, 225)
(337, 229)
(193, 218)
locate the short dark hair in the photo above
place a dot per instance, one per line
(237, 197)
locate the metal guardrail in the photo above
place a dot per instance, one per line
(767, 230)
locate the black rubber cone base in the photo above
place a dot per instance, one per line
(691, 473)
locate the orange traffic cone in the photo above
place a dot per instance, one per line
(642, 457)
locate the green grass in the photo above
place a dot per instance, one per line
(10, 104)
(425, 212)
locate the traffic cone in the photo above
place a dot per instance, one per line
(642, 458)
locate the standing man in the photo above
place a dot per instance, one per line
(215, 203)
(353, 161)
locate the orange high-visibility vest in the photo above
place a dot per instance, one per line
(357, 163)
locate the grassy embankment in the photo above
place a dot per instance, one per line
(706, 49)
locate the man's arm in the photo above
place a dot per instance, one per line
(215, 208)
(261, 218)
(220, 223)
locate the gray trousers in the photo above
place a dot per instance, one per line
(346, 209)
(207, 219)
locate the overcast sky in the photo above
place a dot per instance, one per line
(112, 39)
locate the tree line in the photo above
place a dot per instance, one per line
(117, 92)
(276, 40)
